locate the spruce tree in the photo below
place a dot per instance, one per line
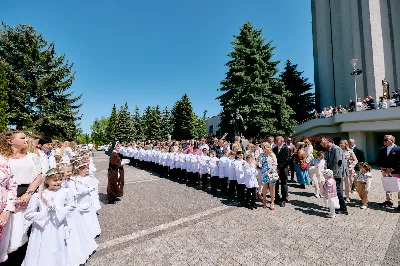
(111, 126)
(200, 126)
(183, 119)
(252, 88)
(39, 83)
(151, 120)
(138, 124)
(3, 99)
(124, 127)
(166, 123)
(301, 100)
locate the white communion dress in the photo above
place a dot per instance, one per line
(47, 242)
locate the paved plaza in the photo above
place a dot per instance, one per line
(162, 222)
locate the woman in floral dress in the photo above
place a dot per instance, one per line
(8, 196)
(268, 164)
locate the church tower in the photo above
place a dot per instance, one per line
(367, 30)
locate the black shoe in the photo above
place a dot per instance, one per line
(386, 203)
(255, 206)
(117, 199)
(342, 211)
(113, 201)
(282, 204)
(398, 208)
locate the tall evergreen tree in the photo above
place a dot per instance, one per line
(166, 123)
(3, 99)
(183, 119)
(39, 83)
(138, 124)
(301, 100)
(151, 120)
(111, 126)
(200, 126)
(251, 86)
(124, 131)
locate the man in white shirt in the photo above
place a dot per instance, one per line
(389, 163)
(203, 145)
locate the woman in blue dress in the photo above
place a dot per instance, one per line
(301, 166)
(268, 163)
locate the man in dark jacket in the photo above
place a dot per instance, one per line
(389, 162)
(282, 155)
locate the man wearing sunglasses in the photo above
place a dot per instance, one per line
(389, 163)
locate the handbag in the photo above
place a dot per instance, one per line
(273, 176)
(304, 166)
(21, 190)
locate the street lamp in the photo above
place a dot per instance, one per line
(356, 72)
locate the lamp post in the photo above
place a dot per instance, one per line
(356, 72)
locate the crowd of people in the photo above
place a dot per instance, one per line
(369, 103)
(49, 201)
(246, 170)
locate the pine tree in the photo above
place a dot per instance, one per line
(3, 99)
(200, 126)
(166, 124)
(39, 83)
(138, 125)
(111, 126)
(124, 131)
(183, 119)
(252, 88)
(151, 120)
(301, 100)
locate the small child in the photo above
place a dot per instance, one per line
(240, 186)
(364, 183)
(213, 164)
(232, 174)
(251, 182)
(204, 169)
(48, 211)
(317, 166)
(223, 172)
(330, 193)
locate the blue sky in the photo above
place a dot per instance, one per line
(152, 52)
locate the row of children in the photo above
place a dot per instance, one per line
(231, 174)
(64, 215)
(231, 169)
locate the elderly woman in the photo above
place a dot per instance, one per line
(349, 169)
(268, 163)
(301, 166)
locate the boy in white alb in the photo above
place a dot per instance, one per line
(240, 187)
(232, 175)
(223, 172)
(213, 164)
(251, 182)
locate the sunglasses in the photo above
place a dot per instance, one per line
(386, 140)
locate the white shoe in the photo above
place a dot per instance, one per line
(363, 207)
(332, 216)
(321, 195)
(317, 196)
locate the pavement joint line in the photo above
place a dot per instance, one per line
(161, 227)
(139, 181)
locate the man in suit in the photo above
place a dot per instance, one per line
(389, 163)
(282, 155)
(360, 158)
(336, 161)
